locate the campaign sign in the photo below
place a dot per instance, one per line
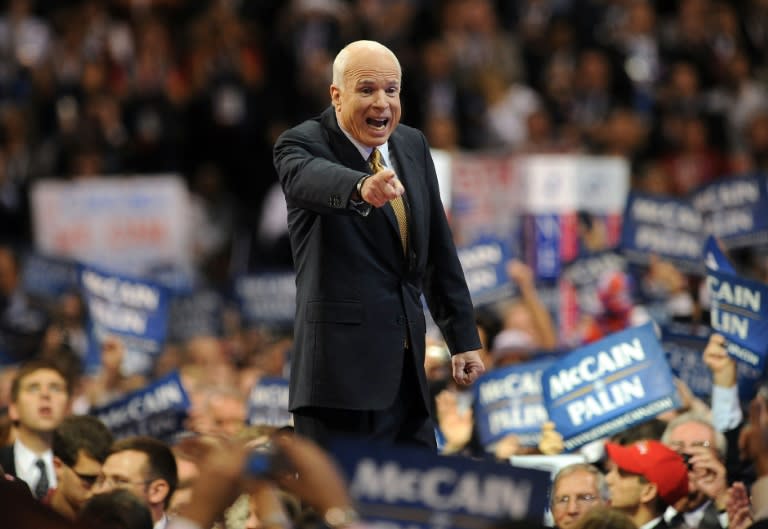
(684, 345)
(485, 269)
(715, 259)
(47, 278)
(158, 410)
(738, 311)
(406, 487)
(734, 209)
(198, 313)
(667, 227)
(605, 387)
(508, 401)
(132, 310)
(268, 298)
(268, 403)
(544, 234)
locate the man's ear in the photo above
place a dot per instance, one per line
(58, 467)
(13, 412)
(649, 492)
(158, 491)
(335, 96)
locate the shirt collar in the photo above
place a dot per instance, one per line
(25, 460)
(652, 523)
(162, 522)
(366, 151)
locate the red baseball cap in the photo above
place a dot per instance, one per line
(657, 463)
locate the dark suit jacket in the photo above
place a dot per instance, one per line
(358, 295)
(7, 461)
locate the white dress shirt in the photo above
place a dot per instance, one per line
(26, 468)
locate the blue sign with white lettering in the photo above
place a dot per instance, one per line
(738, 310)
(405, 487)
(268, 403)
(666, 227)
(546, 245)
(605, 387)
(134, 311)
(733, 210)
(47, 278)
(485, 268)
(684, 345)
(268, 298)
(508, 400)
(158, 410)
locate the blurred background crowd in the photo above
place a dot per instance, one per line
(92, 89)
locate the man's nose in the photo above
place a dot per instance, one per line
(380, 99)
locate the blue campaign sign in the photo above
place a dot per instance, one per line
(197, 313)
(734, 209)
(484, 264)
(135, 311)
(508, 400)
(715, 259)
(604, 387)
(684, 345)
(738, 311)
(546, 245)
(268, 403)
(667, 227)
(158, 410)
(406, 487)
(47, 278)
(268, 298)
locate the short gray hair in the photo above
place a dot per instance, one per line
(721, 443)
(567, 470)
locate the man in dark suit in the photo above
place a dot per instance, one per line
(39, 402)
(369, 236)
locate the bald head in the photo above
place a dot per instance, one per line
(358, 50)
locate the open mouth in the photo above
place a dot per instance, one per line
(377, 123)
(45, 411)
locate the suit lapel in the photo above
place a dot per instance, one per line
(348, 154)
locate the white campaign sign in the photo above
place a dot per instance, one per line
(128, 225)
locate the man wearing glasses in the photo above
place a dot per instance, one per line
(145, 466)
(576, 489)
(80, 446)
(704, 449)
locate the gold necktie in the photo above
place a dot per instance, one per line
(398, 205)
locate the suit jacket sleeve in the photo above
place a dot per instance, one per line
(299, 158)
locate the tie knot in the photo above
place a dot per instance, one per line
(375, 160)
(40, 464)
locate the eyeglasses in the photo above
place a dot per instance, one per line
(88, 480)
(117, 482)
(583, 500)
(681, 446)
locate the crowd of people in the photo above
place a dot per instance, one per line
(94, 90)
(203, 89)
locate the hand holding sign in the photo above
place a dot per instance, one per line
(716, 358)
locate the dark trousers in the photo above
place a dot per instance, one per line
(405, 421)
